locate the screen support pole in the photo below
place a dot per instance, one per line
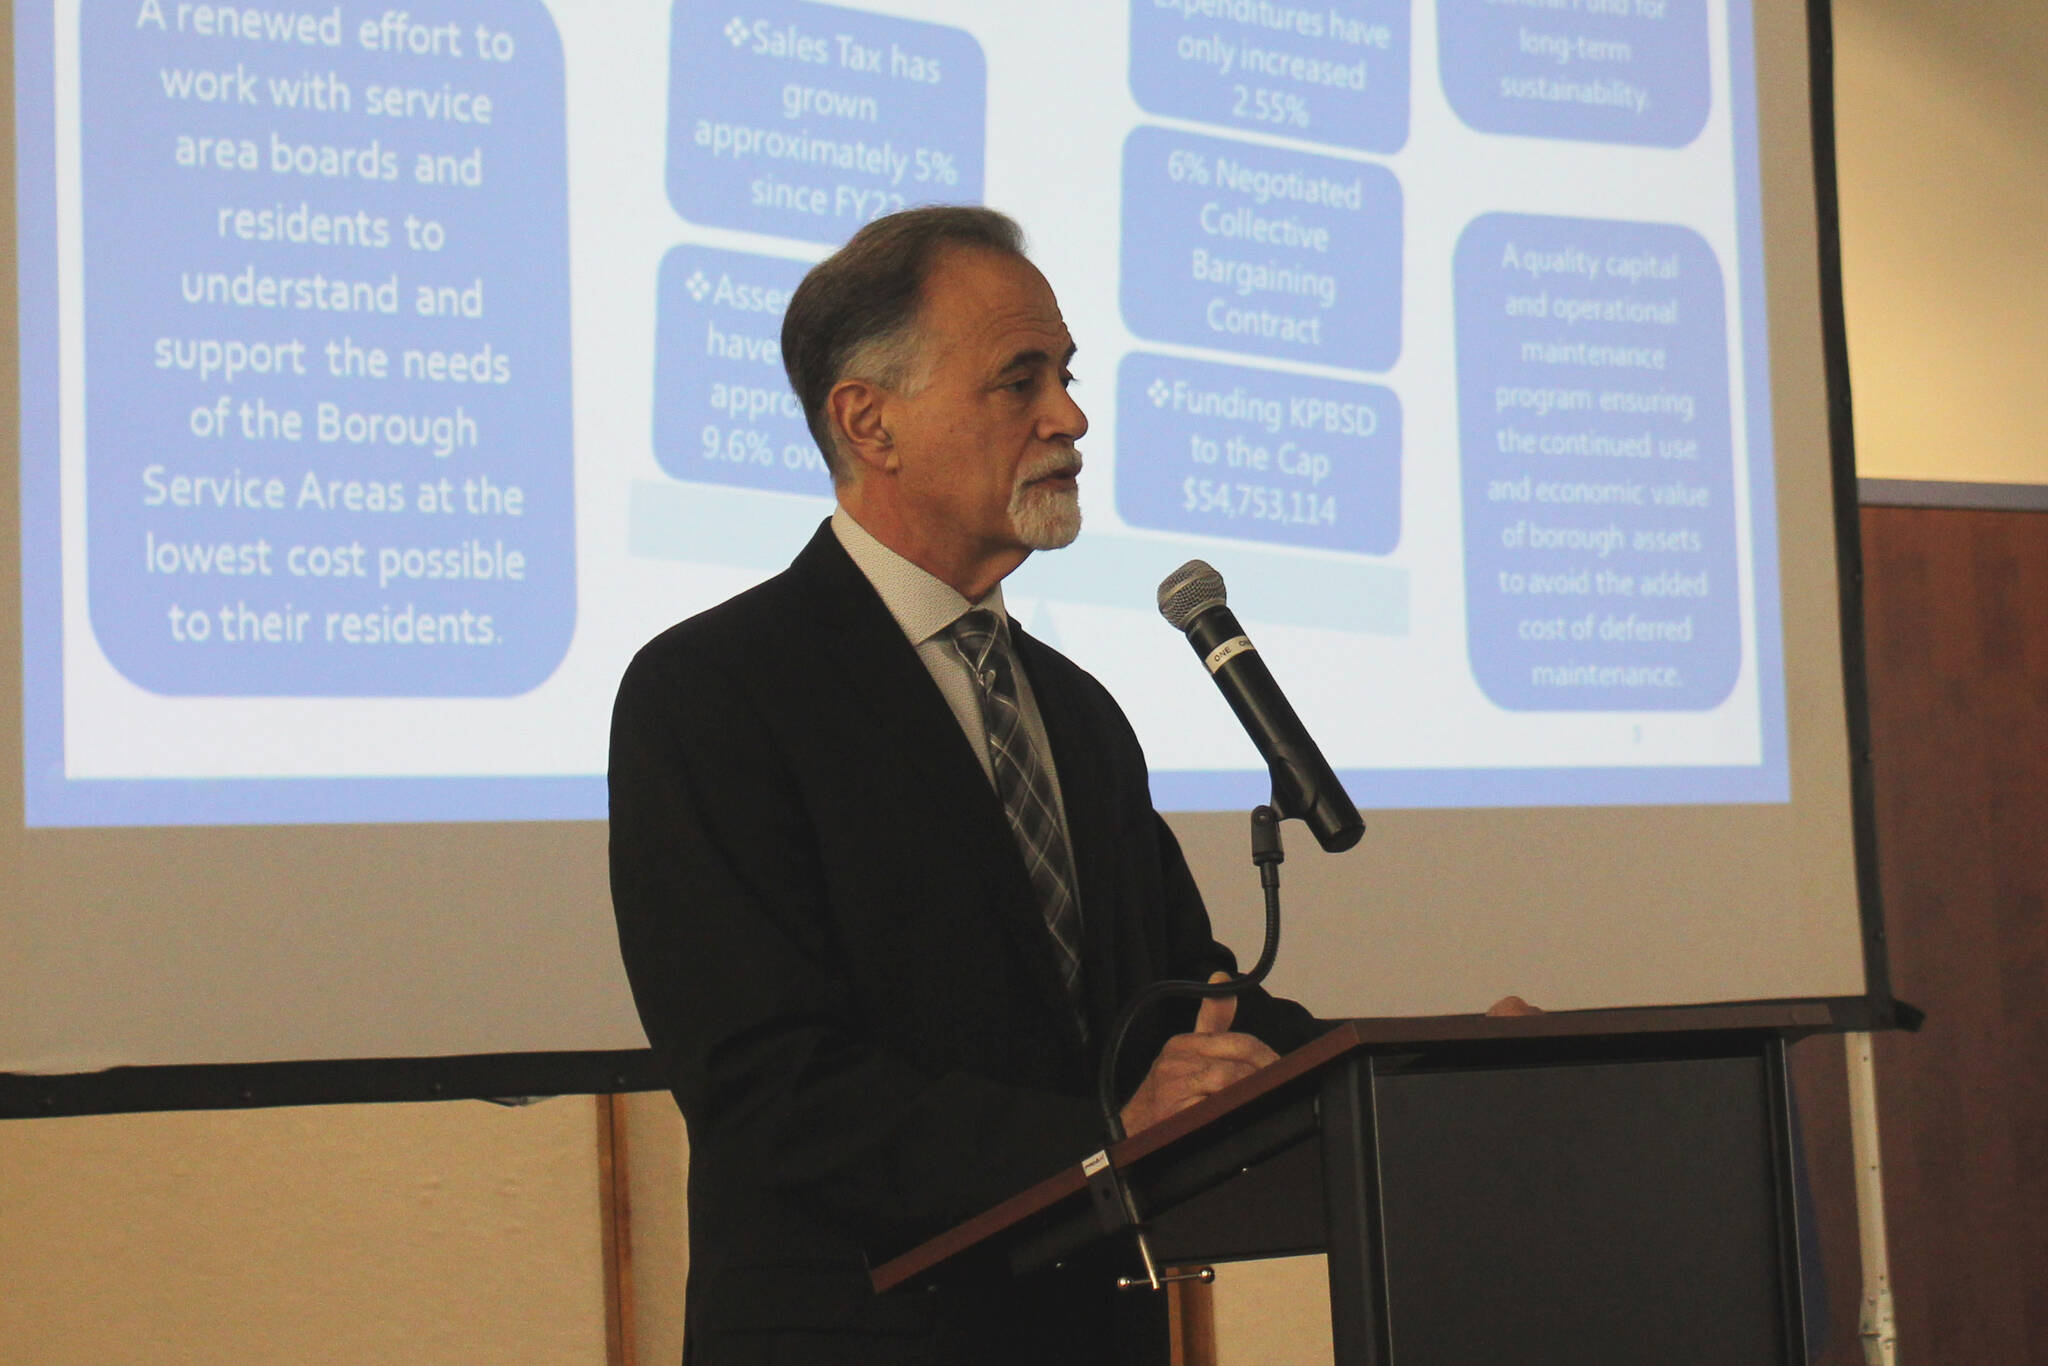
(1878, 1330)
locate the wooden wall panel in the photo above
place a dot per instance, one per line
(1956, 604)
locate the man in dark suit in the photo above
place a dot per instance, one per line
(886, 867)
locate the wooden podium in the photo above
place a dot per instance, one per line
(1584, 1187)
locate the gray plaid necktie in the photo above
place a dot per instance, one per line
(1025, 785)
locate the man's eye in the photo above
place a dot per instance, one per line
(1068, 379)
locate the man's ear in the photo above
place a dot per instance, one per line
(855, 408)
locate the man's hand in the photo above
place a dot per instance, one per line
(1193, 1067)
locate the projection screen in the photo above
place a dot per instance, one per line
(387, 376)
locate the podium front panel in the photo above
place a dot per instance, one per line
(1627, 1212)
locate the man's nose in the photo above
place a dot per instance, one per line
(1064, 421)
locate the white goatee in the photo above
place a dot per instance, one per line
(1046, 518)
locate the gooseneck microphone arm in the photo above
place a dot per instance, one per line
(1106, 1183)
(1268, 855)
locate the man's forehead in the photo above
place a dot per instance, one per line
(996, 303)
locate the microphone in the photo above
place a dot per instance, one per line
(1192, 600)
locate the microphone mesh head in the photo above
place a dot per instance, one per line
(1188, 592)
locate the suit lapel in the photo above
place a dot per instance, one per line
(861, 647)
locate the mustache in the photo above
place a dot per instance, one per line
(1049, 466)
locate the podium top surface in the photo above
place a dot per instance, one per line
(1379, 1036)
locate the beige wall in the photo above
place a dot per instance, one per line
(1942, 131)
(415, 1235)
(658, 1161)
(423, 1234)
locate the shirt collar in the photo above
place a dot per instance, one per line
(922, 604)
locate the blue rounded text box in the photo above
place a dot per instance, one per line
(723, 410)
(1227, 450)
(805, 120)
(1261, 250)
(1597, 470)
(1334, 72)
(1625, 71)
(328, 426)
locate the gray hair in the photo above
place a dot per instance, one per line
(855, 315)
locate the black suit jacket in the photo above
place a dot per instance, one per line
(840, 962)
